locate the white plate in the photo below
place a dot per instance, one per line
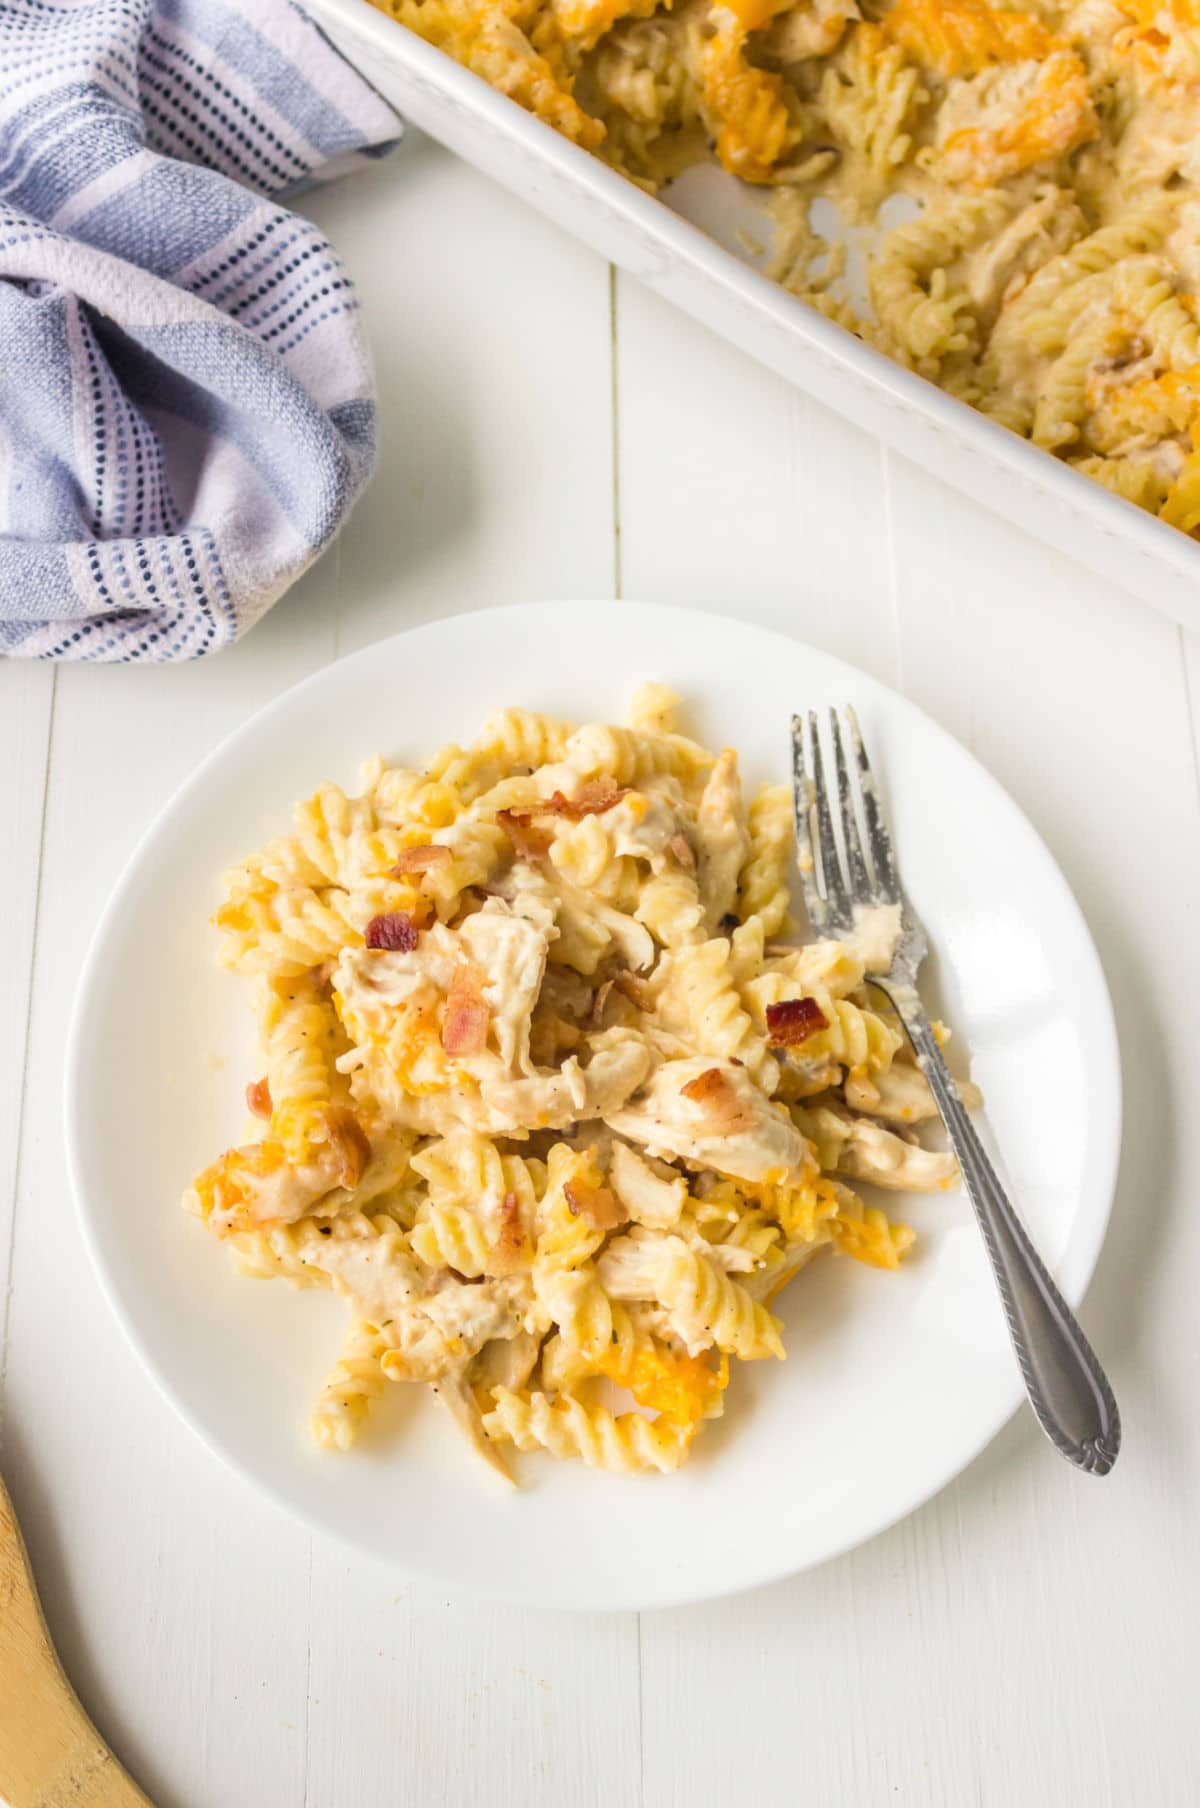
(893, 1382)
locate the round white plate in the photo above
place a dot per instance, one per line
(892, 1383)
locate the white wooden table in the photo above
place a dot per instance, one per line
(1029, 1638)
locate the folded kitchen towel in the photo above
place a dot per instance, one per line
(186, 411)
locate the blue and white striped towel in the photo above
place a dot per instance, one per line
(186, 412)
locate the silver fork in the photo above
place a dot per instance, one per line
(1067, 1388)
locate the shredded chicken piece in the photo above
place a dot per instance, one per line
(648, 1197)
(666, 1122)
(723, 839)
(505, 1362)
(509, 950)
(901, 1094)
(256, 1186)
(507, 1105)
(454, 1393)
(867, 1151)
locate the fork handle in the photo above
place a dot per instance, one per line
(1067, 1387)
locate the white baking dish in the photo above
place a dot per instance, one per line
(654, 242)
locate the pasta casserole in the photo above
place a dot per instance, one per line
(551, 1096)
(1037, 162)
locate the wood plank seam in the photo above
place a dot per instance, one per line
(26, 1031)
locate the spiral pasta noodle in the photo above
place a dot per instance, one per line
(763, 882)
(354, 1383)
(566, 1427)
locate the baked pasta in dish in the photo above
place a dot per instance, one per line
(551, 1096)
(1050, 274)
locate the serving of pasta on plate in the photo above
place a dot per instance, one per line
(552, 1095)
(1044, 155)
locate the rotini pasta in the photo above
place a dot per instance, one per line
(697, 1001)
(763, 881)
(354, 1383)
(566, 1427)
(301, 1042)
(525, 1105)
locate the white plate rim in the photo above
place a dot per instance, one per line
(1104, 1081)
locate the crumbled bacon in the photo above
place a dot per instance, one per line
(346, 1138)
(465, 1025)
(598, 1204)
(393, 930)
(510, 1243)
(420, 859)
(530, 842)
(794, 1020)
(681, 848)
(533, 842)
(635, 989)
(591, 799)
(723, 1110)
(258, 1098)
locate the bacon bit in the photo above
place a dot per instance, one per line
(510, 1244)
(347, 1139)
(598, 1204)
(635, 989)
(530, 843)
(395, 929)
(258, 1098)
(794, 1020)
(591, 799)
(718, 1101)
(420, 859)
(681, 847)
(465, 1025)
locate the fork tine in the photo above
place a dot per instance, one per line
(860, 878)
(877, 832)
(802, 798)
(831, 866)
